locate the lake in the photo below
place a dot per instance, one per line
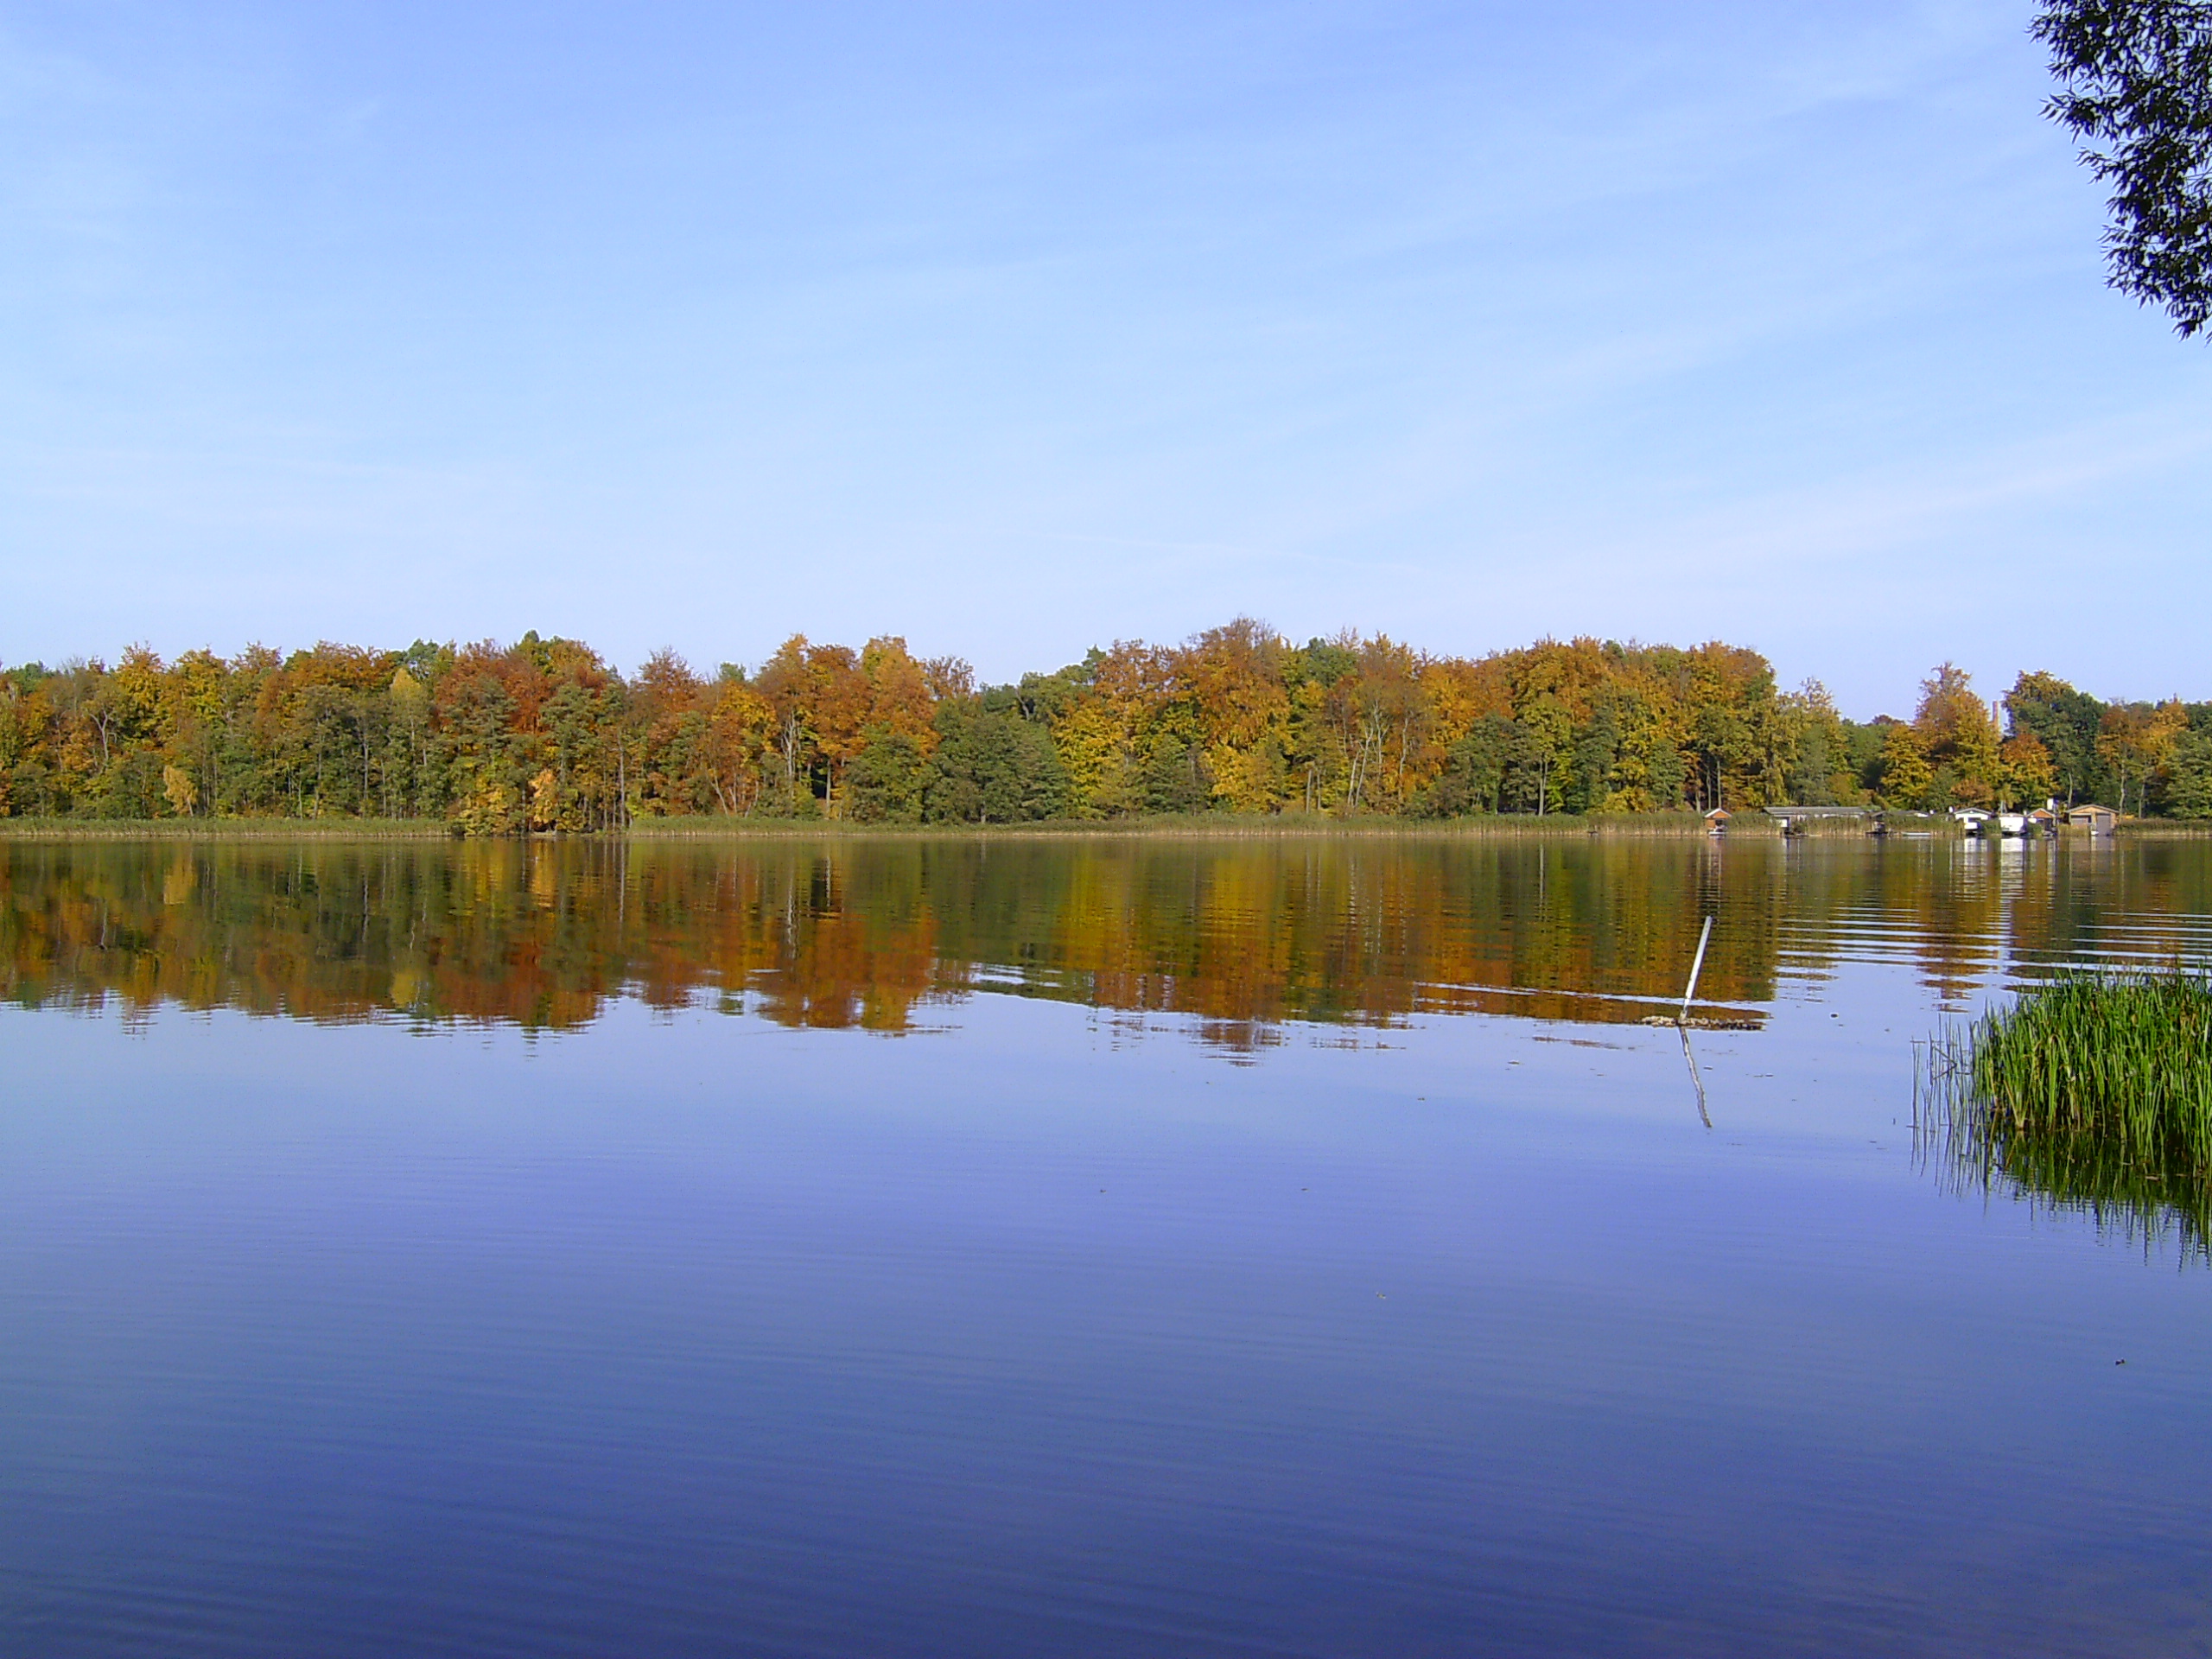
(1069, 1246)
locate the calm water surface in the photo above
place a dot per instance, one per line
(1066, 1247)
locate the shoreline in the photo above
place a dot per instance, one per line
(1651, 826)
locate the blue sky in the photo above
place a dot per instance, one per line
(1016, 328)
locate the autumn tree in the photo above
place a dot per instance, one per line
(1233, 678)
(2026, 771)
(886, 776)
(784, 685)
(1906, 777)
(2135, 744)
(1959, 738)
(740, 738)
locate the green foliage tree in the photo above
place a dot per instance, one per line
(1473, 777)
(887, 780)
(2067, 724)
(2136, 86)
(2188, 792)
(992, 767)
(1591, 772)
(1171, 780)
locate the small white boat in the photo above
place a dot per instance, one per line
(2012, 823)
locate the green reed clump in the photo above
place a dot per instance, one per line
(2091, 1093)
(2121, 1059)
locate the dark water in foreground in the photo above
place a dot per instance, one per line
(1064, 1248)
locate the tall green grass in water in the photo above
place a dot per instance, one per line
(2093, 1093)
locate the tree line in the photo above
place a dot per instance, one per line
(545, 734)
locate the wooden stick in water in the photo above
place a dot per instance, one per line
(1696, 967)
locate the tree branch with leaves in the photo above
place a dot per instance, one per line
(2136, 86)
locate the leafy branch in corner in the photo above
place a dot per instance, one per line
(2136, 80)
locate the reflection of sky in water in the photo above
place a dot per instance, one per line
(1048, 1331)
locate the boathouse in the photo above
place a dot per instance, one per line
(1794, 819)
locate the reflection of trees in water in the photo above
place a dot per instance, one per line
(1965, 912)
(1243, 935)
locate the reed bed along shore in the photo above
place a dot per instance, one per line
(2093, 1091)
(225, 829)
(1210, 826)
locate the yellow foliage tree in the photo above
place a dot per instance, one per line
(181, 793)
(1906, 775)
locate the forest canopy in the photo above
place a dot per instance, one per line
(545, 734)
